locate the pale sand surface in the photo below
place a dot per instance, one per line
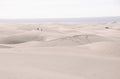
(59, 51)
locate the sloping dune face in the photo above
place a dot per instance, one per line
(60, 51)
(4, 46)
(21, 38)
(105, 48)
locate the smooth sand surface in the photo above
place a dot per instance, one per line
(60, 51)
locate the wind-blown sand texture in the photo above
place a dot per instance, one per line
(60, 51)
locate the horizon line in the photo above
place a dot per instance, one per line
(58, 18)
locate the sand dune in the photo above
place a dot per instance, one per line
(60, 51)
(74, 40)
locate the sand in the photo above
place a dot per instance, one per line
(59, 51)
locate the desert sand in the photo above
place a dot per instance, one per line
(59, 51)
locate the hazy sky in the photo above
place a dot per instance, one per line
(58, 8)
